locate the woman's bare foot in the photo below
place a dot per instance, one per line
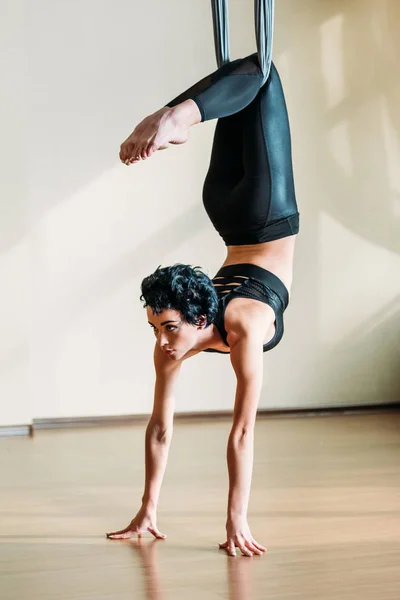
(157, 131)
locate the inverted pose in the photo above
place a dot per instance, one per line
(250, 199)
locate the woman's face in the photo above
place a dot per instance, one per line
(174, 335)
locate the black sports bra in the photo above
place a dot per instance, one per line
(250, 281)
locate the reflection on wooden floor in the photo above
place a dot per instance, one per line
(325, 502)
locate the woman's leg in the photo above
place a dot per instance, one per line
(251, 199)
(225, 92)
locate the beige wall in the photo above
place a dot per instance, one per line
(15, 284)
(75, 341)
(339, 62)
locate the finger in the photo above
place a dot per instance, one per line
(230, 548)
(245, 551)
(257, 545)
(156, 533)
(120, 532)
(120, 535)
(253, 549)
(224, 545)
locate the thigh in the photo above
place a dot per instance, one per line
(271, 136)
(225, 172)
(226, 165)
(263, 205)
(249, 191)
(236, 191)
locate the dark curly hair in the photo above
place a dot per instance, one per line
(183, 288)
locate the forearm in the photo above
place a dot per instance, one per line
(157, 444)
(240, 453)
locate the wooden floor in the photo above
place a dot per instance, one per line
(325, 502)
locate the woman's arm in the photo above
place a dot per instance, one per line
(247, 361)
(160, 427)
(157, 442)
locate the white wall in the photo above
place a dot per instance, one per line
(15, 398)
(92, 70)
(339, 63)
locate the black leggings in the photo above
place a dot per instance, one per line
(249, 189)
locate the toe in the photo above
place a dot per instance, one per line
(143, 152)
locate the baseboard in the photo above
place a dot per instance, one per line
(14, 430)
(110, 421)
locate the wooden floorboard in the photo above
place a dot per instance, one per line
(325, 501)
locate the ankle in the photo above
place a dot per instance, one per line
(186, 114)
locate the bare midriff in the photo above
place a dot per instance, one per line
(275, 256)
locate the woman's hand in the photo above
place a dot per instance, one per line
(239, 536)
(145, 520)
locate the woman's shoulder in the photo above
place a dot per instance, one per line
(247, 317)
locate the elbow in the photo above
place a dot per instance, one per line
(240, 433)
(160, 432)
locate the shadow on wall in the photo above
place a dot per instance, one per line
(343, 104)
(364, 367)
(348, 118)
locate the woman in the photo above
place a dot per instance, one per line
(249, 196)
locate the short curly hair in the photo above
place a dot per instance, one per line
(183, 288)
